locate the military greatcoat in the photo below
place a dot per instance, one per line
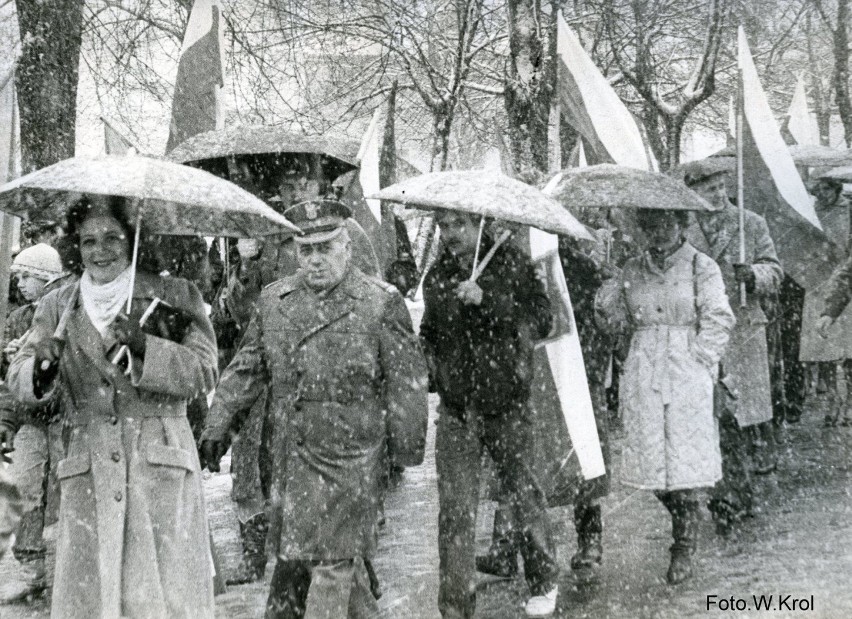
(346, 371)
(746, 360)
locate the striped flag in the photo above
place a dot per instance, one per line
(773, 187)
(197, 103)
(590, 104)
(802, 124)
(114, 141)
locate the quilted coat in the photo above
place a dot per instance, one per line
(680, 321)
(132, 532)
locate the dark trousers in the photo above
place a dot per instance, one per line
(458, 449)
(320, 590)
(732, 497)
(784, 337)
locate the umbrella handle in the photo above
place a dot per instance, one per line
(481, 267)
(133, 262)
(478, 245)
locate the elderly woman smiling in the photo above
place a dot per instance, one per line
(132, 539)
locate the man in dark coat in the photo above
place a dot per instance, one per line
(345, 374)
(478, 338)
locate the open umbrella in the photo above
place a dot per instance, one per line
(487, 194)
(842, 174)
(612, 186)
(171, 198)
(211, 149)
(811, 155)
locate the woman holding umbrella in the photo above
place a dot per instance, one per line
(133, 538)
(671, 302)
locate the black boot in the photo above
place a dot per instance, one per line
(252, 565)
(502, 557)
(685, 534)
(586, 562)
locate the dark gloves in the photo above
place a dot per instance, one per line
(403, 275)
(47, 354)
(7, 440)
(210, 452)
(744, 274)
(129, 333)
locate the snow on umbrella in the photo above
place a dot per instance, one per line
(843, 174)
(811, 155)
(612, 186)
(486, 194)
(172, 198)
(263, 140)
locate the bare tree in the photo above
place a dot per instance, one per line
(667, 51)
(46, 79)
(836, 19)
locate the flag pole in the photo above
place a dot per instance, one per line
(740, 192)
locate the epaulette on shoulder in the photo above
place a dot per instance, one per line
(380, 283)
(282, 286)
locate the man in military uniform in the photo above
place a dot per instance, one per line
(347, 375)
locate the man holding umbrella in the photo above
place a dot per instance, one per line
(746, 362)
(478, 337)
(346, 375)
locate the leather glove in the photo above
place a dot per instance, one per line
(744, 274)
(7, 441)
(47, 355)
(210, 453)
(129, 333)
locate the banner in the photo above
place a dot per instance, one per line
(593, 108)
(801, 123)
(197, 103)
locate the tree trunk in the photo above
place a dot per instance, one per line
(674, 132)
(46, 78)
(529, 86)
(841, 69)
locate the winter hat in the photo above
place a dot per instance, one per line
(40, 261)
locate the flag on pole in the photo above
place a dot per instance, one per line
(114, 142)
(197, 102)
(590, 104)
(565, 359)
(773, 187)
(802, 124)
(10, 168)
(369, 156)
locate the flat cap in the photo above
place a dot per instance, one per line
(319, 220)
(696, 172)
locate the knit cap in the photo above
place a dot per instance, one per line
(40, 261)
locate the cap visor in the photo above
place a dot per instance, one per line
(317, 237)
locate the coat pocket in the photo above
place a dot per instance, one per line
(73, 466)
(161, 455)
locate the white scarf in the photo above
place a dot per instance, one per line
(103, 302)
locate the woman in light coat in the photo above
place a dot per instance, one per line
(671, 301)
(132, 533)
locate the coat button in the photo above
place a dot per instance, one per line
(118, 496)
(116, 456)
(113, 419)
(105, 382)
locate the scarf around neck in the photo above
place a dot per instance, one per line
(103, 302)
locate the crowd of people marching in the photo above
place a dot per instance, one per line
(319, 388)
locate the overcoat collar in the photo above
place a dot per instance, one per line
(728, 230)
(306, 312)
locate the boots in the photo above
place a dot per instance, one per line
(29, 582)
(685, 534)
(502, 557)
(586, 562)
(252, 565)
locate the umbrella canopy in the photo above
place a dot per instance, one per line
(613, 186)
(175, 199)
(213, 147)
(843, 174)
(811, 155)
(486, 194)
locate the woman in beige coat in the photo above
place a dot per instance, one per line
(671, 302)
(132, 536)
